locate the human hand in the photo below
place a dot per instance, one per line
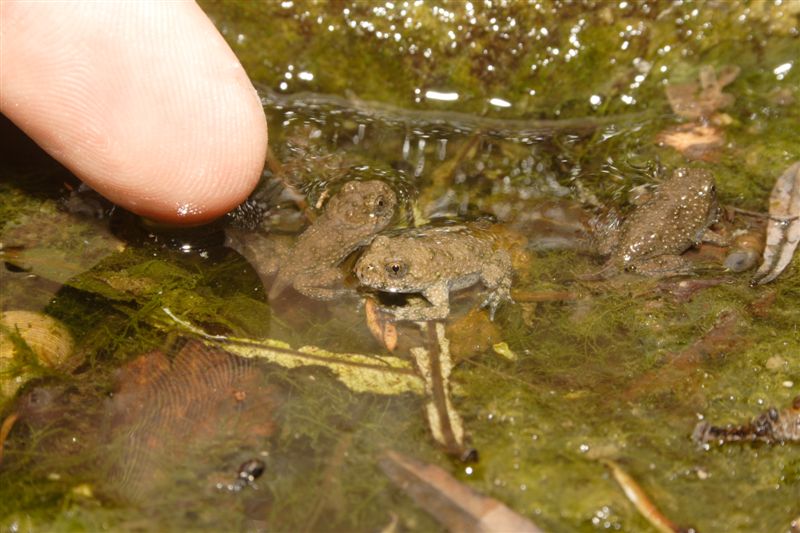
(144, 101)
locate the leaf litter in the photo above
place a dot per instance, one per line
(783, 230)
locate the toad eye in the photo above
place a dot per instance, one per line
(396, 269)
(379, 205)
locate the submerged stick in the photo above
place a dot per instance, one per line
(453, 504)
(455, 121)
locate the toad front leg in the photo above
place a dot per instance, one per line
(326, 284)
(496, 277)
(439, 297)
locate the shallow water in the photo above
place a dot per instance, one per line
(557, 113)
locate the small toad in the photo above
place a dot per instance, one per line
(678, 216)
(434, 261)
(351, 219)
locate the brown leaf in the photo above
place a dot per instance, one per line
(384, 331)
(697, 100)
(724, 336)
(694, 140)
(456, 506)
(171, 410)
(783, 230)
(472, 334)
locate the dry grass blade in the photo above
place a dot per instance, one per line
(456, 506)
(783, 231)
(359, 372)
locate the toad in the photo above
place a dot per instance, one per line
(351, 219)
(434, 261)
(678, 216)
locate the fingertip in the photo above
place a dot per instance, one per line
(143, 101)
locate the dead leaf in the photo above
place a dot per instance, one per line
(700, 100)
(696, 141)
(472, 334)
(761, 306)
(167, 409)
(456, 506)
(727, 334)
(783, 230)
(384, 331)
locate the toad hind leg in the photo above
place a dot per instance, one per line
(321, 285)
(497, 278)
(662, 266)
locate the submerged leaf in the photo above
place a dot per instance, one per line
(696, 100)
(168, 410)
(378, 324)
(694, 140)
(55, 245)
(456, 506)
(783, 231)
